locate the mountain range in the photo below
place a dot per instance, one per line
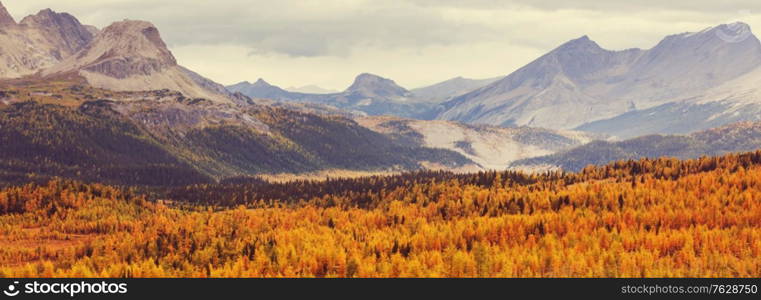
(371, 94)
(114, 106)
(687, 82)
(125, 56)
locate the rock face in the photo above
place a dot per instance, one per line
(310, 89)
(125, 56)
(123, 49)
(131, 56)
(580, 82)
(39, 41)
(63, 30)
(6, 20)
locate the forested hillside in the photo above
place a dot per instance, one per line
(162, 138)
(42, 140)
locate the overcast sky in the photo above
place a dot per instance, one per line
(414, 42)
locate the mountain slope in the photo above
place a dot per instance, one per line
(6, 20)
(490, 147)
(738, 137)
(451, 88)
(734, 101)
(580, 82)
(38, 141)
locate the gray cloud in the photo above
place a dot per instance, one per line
(292, 27)
(416, 42)
(336, 27)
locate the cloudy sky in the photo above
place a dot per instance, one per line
(415, 42)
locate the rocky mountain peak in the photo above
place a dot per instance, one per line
(736, 26)
(142, 36)
(734, 32)
(62, 29)
(5, 18)
(374, 85)
(260, 82)
(581, 44)
(121, 50)
(46, 17)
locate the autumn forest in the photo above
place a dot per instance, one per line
(646, 218)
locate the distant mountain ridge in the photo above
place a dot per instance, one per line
(262, 89)
(737, 137)
(371, 95)
(579, 82)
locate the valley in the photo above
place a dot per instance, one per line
(118, 161)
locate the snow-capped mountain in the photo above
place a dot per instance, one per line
(580, 82)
